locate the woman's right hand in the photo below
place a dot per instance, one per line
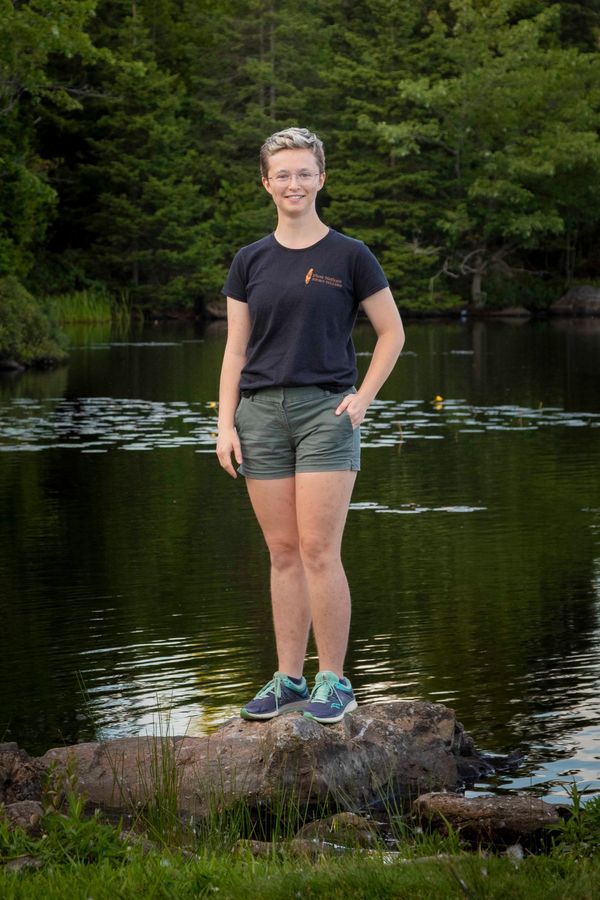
(228, 442)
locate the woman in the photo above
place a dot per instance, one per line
(290, 414)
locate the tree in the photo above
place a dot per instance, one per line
(32, 36)
(27, 336)
(147, 233)
(508, 133)
(461, 138)
(251, 68)
(372, 194)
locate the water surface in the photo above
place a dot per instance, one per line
(134, 578)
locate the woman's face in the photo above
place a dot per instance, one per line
(294, 181)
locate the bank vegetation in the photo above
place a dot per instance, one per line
(462, 142)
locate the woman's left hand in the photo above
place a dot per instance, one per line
(355, 406)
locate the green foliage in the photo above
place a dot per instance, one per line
(578, 834)
(258, 49)
(27, 335)
(26, 203)
(145, 227)
(371, 196)
(14, 842)
(509, 127)
(68, 837)
(79, 855)
(462, 140)
(73, 838)
(33, 36)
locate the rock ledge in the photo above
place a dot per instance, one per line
(378, 754)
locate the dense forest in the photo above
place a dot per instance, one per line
(461, 138)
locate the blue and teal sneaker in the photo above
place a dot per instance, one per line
(330, 700)
(280, 695)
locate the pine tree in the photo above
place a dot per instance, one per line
(372, 195)
(252, 68)
(35, 38)
(147, 224)
(509, 134)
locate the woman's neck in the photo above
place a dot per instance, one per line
(298, 233)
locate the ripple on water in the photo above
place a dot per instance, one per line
(97, 424)
(411, 509)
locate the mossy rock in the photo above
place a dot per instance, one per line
(27, 336)
(344, 829)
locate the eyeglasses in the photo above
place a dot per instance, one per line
(285, 177)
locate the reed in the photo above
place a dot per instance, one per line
(227, 817)
(89, 306)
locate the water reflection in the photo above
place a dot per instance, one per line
(134, 583)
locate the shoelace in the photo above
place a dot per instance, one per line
(322, 691)
(273, 687)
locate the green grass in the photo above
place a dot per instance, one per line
(88, 306)
(160, 874)
(578, 835)
(85, 857)
(162, 856)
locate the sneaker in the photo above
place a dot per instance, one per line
(280, 695)
(331, 699)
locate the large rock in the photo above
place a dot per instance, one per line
(25, 814)
(582, 300)
(487, 819)
(379, 753)
(20, 775)
(343, 829)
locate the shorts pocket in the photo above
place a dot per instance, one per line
(346, 415)
(236, 415)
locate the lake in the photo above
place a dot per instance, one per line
(134, 578)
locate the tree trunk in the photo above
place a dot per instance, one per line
(477, 295)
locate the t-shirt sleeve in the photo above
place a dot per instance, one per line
(235, 283)
(369, 277)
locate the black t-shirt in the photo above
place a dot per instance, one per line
(302, 306)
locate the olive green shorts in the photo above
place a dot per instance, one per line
(288, 430)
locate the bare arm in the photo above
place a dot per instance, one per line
(382, 312)
(234, 358)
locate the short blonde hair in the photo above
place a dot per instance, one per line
(292, 139)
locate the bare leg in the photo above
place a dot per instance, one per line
(274, 504)
(322, 501)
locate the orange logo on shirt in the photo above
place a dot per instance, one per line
(317, 278)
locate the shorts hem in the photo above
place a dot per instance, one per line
(266, 476)
(301, 470)
(333, 467)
